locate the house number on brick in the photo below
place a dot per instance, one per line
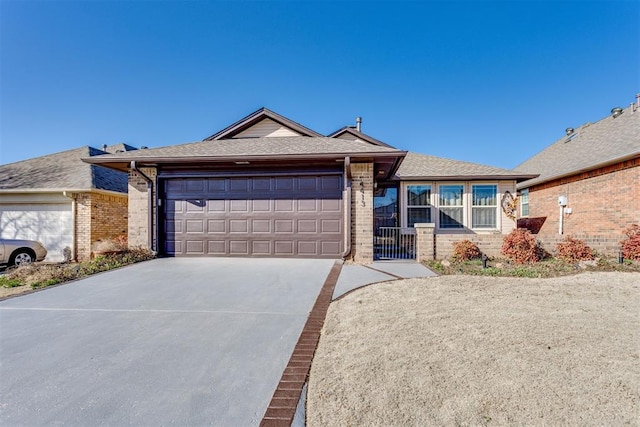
(362, 193)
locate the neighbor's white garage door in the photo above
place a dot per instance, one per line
(50, 224)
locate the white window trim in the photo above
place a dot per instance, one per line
(522, 214)
(498, 203)
(467, 207)
(404, 220)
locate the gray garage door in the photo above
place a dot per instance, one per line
(279, 216)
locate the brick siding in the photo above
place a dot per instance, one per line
(98, 216)
(139, 209)
(362, 213)
(604, 202)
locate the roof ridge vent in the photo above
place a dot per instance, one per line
(616, 112)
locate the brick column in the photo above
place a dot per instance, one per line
(425, 241)
(83, 226)
(138, 224)
(362, 213)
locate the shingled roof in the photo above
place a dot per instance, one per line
(424, 167)
(593, 145)
(61, 171)
(238, 149)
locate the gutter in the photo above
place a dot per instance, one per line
(347, 189)
(150, 233)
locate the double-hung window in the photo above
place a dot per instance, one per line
(451, 206)
(418, 204)
(484, 206)
(524, 202)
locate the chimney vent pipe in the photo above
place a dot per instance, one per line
(359, 124)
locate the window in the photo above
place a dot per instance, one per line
(418, 204)
(451, 206)
(484, 206)
(524, 202)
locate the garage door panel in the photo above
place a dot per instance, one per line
(216, 205)
(239, 247)
(261, 205)
(331, 226)
(239, 206)
(307, 226)
(261, 247)
(217, 247)
(216, 226)
(283, 248)
(261, 226)
(195, 247)
(284, 205)
(260, 216)
(283, 225)
(195, 226)
(50, 224)
(238, 226)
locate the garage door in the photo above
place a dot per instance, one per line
(278, 216)
(50, 224)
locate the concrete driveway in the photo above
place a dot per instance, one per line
(176, 341)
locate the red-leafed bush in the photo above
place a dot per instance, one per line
(465, 250)
(631, 245)
(572, 250)
(521, 247)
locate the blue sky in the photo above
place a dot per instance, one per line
(487, 82)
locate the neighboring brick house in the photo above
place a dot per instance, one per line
(594, 171)
(64, 202)
(268, 186)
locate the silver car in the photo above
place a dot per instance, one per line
(20, 252)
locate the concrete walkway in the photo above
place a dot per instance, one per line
(356, 276)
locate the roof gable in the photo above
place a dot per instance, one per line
(352, 134)
(262, 123)
(592, 145)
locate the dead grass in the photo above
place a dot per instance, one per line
(471, 350)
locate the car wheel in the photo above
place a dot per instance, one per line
(21, 258)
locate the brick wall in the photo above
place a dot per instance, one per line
(139, 210)
(489, 244)
(108, 216)
(603, 203)
(83, 226)
(98, 216)
(362, 213)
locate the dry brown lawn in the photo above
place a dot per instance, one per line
(463, 350)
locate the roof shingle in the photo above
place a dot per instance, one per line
(60, 171)
(591, 145)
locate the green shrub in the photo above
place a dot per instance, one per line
(465, 250)
(521, 247)
(5, 282)
(572, 250)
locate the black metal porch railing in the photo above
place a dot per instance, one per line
(394, 243)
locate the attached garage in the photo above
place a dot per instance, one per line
(278, 215)
(50, 223)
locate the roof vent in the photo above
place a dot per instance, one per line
(104, 147)
(569, 131)
(616, 112)
(359, 124)
(144, 147)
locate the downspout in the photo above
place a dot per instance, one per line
(134, 167)
(74, 220)
(347, 188)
